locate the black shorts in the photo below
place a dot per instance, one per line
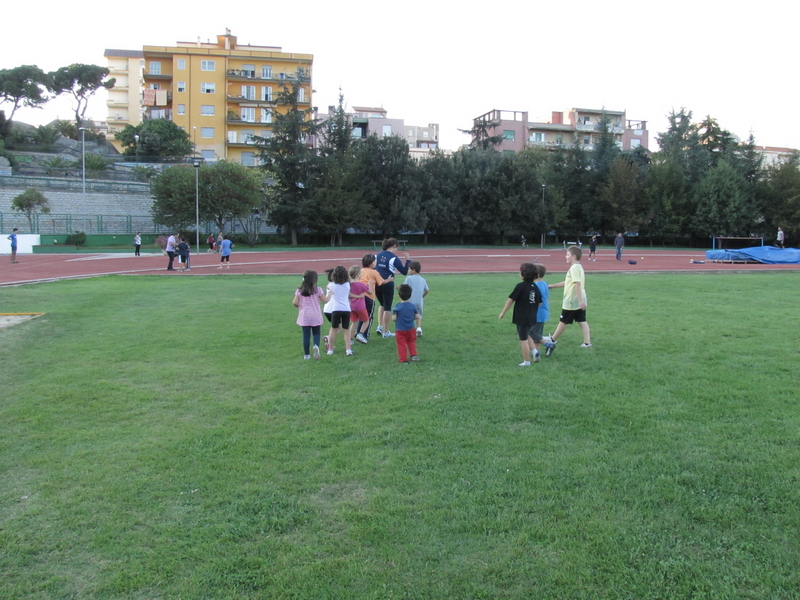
(340, 318)
(384, 295)
(223, 259)
(568, 316)
(523, 331)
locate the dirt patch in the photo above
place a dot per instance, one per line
(7, 320)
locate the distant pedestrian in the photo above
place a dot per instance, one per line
(210, 242)
(183, 249)
(780, 238)
(220, 237)
(137, 243)
(593, 248)
(225, 253)
(13, 239)
(523, 241)
(172, 242)
(619, 244)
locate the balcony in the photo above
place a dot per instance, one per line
(240, 99)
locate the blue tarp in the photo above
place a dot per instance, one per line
(769, 255)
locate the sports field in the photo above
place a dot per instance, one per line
(161, 437)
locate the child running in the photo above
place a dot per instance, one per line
(373, 279)
(526, 300)
(404, 316)
(307, 298)
(573, 307)
(419, 289)
(542, 313)
(358, 305)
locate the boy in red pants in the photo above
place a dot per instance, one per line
(404, 315)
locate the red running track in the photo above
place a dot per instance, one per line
(36, 268)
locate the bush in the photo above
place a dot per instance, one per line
(77, 239)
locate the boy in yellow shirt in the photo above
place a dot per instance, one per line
(573, 306)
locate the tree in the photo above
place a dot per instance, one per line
(157, 137)
(620, 198)
(480, 134)
(666, 199)
(723, 205)
(227, 190)
(779, 195)
(30, 202)
(23, 86)
(289, 160)
(81, 82)
(438, 202)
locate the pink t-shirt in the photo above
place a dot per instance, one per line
(357, 304)
(310, 313)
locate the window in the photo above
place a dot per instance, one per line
(207, 88)
(425, 133)
(358, 133)
(410, 133)
(155, 86)
(181, 64)
(206, 132)
(249, 71)
(559, 138)
(301, 95)
(208, 65)
(266, 133)
(249, 159)
(587, 140)
(266, 72)
(207, 110)
(181, 86)
(248, 135)
(266, 93)
(231, 137)
(509, 135)
(387, 130)
(155, 67)
(249, 114)
(181, 109)
(266, 115)
(249, 92)
(536, 138)
(635, 144)
(208, 154)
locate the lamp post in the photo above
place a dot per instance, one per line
(83, 173)
(544, 211)
(197, 202)
(136, 138)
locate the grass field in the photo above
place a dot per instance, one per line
(163, 438)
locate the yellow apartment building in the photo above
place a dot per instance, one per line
(222, 94)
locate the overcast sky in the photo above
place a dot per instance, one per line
(440, 62)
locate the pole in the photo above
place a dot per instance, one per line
(544, 211)
(197, 203)
(83, 173)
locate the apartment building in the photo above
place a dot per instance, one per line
(576, 125)
(222, 93)
(124, 99)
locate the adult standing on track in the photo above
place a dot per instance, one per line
(619, 244)
(387, 264)
(13, 239)
(137, 243)
(171, 243)
(780, 238)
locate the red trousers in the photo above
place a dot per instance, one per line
(406, 344)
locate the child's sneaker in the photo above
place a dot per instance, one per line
(360, 338)
(415, 358)
(379, 329)
(585, 345)
(348, 352)
(306, 357)
(551, 346)
(388, 334)
(329, 352)
(315, 351)
(325, 341)
(536, 356)
(419, 331)
(525, 363)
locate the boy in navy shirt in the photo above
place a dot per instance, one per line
(404, 315)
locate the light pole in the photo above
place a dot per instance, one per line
(544, 219)
(136, 137)
(197, 202)
(83, 173)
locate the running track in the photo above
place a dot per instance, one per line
(37, 268)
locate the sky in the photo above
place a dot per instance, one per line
(440, 62)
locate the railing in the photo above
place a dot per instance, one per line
(76, 184)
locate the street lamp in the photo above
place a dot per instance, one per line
(136, 137)
(197, 202)
(544, 219)
(83, 172)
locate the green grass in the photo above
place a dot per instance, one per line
(163, 438)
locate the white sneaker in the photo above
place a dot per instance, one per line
(315, 351)
(348, 352)
(585, 345)
(537, 356)
(360, 338)
(419, 331)
(329, 352)
(526, 363)
(388, 334)
(379, 329)
(306, 357)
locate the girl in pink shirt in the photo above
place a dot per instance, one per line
(307, 299)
